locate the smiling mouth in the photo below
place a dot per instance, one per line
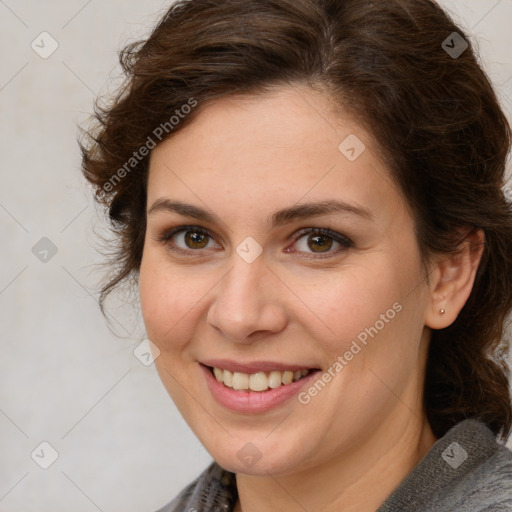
(259, 381)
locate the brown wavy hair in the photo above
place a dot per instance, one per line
(435, 117)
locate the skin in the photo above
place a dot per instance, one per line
(243, 158)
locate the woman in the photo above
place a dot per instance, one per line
(309, 195)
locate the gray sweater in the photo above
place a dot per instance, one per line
(466, 470)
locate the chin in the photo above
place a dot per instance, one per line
(259, 458)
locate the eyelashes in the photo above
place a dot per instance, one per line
(194, 240)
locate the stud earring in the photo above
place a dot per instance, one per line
(442, 311)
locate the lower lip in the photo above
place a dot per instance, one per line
(252, 401)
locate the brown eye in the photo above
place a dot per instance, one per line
(195, 240)
(188, 239)
(321, 241)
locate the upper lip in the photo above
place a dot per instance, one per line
(254, 366)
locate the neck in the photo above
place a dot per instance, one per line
(356, 481)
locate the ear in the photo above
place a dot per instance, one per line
(451, 281)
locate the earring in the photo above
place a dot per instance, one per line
(442, 311)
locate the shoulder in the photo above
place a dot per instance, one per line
(488, 486)
(466, 470)
(213, 489)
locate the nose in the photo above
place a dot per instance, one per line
(248, 303)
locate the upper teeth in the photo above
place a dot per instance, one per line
(259, 381)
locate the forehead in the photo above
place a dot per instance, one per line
(270, 148)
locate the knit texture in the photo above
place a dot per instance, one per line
(466, 470)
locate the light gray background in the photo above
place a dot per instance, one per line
(64, 377)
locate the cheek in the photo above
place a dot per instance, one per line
(167, 300)
(367, 312)
(343, 304)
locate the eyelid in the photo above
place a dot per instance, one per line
(342, 239)
(168, 233)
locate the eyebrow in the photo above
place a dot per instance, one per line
(278, 218)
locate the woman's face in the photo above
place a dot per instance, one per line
(296, 251)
